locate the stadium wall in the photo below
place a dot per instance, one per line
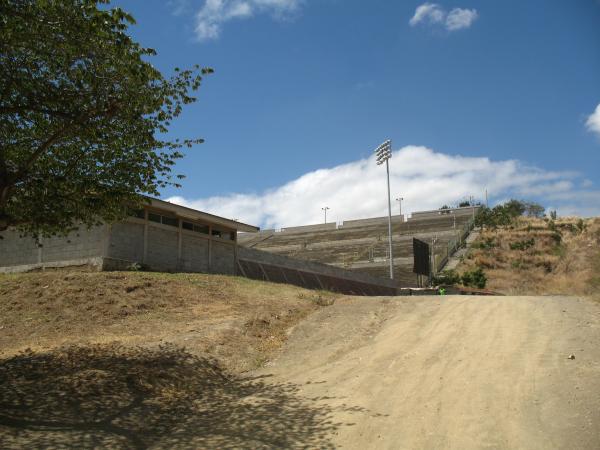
(266, 266)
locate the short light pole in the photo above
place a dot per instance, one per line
(399, 200)
(325, 211)
(384, 153)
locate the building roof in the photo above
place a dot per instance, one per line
(194, 214)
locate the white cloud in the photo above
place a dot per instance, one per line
(428, 12)
(432, 13)
(593, 121)
(425, 178)
(460, 18)
(214, 13)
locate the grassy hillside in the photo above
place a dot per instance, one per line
(240, 322)
(536, 256)
(140, 360)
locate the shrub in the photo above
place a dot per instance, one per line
(557, 237)
(475, 278)
(486, 244)
(447, 277)
(522, 245)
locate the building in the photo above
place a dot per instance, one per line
(162, 236)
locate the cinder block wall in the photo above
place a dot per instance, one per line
(126, 241)
(194, 253)
(167, 248)
(16, 250)
(116, 247)
(79, 247)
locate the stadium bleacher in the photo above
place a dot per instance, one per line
(362, 246)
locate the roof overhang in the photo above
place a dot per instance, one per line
(194, 214)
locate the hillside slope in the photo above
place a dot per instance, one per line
(536, 256)
(149, 360)
(238, 321)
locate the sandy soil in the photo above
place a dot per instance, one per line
(451, 372)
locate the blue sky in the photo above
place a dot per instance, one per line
(303, 90)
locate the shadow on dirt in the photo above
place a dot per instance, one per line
(112, 396)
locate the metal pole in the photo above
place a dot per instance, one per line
(325, 211)
(387, 167)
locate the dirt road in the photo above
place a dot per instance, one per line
(452, 372)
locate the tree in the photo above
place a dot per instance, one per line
(533, 209)
(514, 208)
(83, 115)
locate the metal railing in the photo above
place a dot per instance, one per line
(440, 259)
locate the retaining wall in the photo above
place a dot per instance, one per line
(309, 228)
(261, 265)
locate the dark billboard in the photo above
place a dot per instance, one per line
(421, 255)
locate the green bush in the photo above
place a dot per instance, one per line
(505, 214)
(486, 244)
(581, 226)
(474, 278)
(447, 277)
(522, 245)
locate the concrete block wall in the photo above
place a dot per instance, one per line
(16, 250)
(79, 244)
(162, 248)
(118, 246)
(222, 258)
(194, 253)
(126, 241)
(20, 253)
(170, 249)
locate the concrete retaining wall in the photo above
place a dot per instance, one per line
(464, 211)
(261, 265)
(310, 228)
(372, 221)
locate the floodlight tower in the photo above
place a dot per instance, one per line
(384, 153)
(399, 200)
(325, 208)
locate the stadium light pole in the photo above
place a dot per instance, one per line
(399, 200)
(325, 210)
(384, 153)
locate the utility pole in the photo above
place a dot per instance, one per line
(384, 153)
(325, 211)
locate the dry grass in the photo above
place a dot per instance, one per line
(239, 322)
(514, 266)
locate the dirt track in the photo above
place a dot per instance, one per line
(452, 372)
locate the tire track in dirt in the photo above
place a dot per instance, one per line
(453, 372)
